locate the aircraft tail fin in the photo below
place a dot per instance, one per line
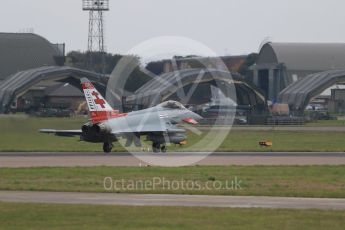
(99, 108)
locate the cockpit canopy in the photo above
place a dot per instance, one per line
(172, 105)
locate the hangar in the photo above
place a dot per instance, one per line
(19, 83)
(281, 64)
(23, 51)
(29, 60)
(167, 87)
(299, 94)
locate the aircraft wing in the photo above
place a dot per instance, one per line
(62, 133)
(149, 129)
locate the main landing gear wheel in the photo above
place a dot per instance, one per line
(163, 149)
(107, 147)
(156, 147)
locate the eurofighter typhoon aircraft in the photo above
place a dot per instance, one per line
(158, 124)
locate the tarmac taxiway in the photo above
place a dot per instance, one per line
(73, 159)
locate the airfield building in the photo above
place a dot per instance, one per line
(27, 51)
(23, 51)
(281, 64)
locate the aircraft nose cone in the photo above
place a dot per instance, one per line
(192, 118)
(197, 117)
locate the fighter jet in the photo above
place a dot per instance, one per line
(106, 125)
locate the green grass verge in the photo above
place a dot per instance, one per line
(290, 181)
(49, 216)
(21, 134)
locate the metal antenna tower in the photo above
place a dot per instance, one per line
(96, 37)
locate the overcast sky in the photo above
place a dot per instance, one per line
(228, 27)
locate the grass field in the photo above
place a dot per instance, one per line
(21, 134)
(49, 216)
(290, 181)
(327, 123)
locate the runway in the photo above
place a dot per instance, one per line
(172, 200)
(17, 160)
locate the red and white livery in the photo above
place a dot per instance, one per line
(99, 108)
